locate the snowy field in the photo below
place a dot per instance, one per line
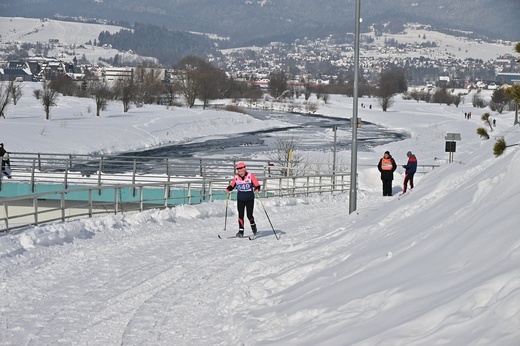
(436, 266)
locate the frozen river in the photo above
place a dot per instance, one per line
(313, 132)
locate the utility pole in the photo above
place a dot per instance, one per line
(516, 114)
(354, 121)
(335, 129)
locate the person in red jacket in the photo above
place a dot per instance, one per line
(411, 168)
(247, 185)
(387, 166)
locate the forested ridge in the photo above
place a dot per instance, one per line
(258, 21)
(168, 46)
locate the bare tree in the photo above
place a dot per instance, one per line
(171, 90)
(197, 78)
(187, 80)
(125, 90)
(101, 93)
(385, 96)
(49, 99)
(283, 153)
(187, 85)
(390, 83)
(212, 83)
(307, 90)
(278, 84)
(150, 86)
(16, 91)
(5, 99)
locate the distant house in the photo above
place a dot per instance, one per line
(508, 77)
(16, 70)
(111, 74)
(443, 81)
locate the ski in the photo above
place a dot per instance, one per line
(403, 194)
(251, 237)
(234, 236)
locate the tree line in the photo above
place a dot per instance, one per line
(194, 78)
(168, 46)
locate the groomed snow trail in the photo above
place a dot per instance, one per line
(124, 286)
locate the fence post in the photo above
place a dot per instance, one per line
(6, 212)
(133, 177)
(116, 201)
(168, 176)
(66, 176)
(203, 190)
(189, 193)
(89, 203)
(62, 206)
(168, 172)
(99, 173)
(35, 206)
(141, 198)
(32, 174)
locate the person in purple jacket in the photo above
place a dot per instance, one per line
(411, 168)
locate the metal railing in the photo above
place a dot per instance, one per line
(73, 170)
(59, 187)
(61, 205)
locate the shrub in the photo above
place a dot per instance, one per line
(482, 133)
(233, 108)
(499, 147)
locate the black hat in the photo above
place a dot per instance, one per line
(387, 152)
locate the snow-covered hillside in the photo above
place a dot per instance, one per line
(72, 38)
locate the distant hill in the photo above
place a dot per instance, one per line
(248, 22)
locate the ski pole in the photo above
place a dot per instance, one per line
(225, 219)
(263, 206)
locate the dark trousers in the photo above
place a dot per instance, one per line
(4, 164)
(387, 187)
(245, 206)
(408, 178)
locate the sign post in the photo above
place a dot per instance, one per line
(451, 145)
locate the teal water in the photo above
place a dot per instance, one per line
(151, 195)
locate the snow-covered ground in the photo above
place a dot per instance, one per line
(73, 38)
(436, 266)
(447, 45)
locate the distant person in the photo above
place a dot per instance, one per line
(247, 185)
(411, 168)
(6, 164)
(494, 123)
(387, 166)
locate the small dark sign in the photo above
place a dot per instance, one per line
(451, 146)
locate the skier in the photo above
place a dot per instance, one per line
(4, 156)
(247, 185)
(387, 166)
(411, 168)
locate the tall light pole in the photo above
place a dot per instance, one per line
(354, 120)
